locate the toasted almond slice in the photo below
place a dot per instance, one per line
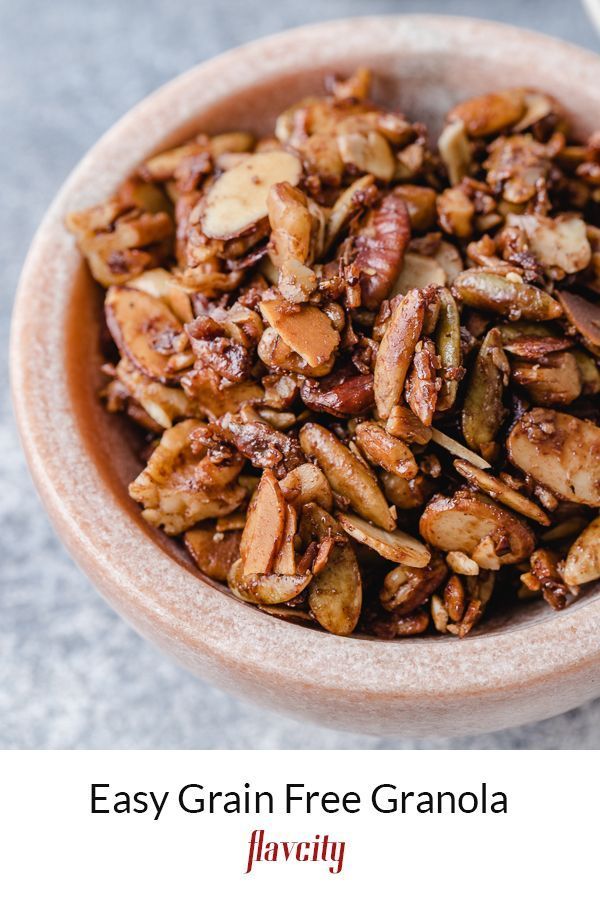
(406, 588)
(447, 340)
(406, 494)
(403, 424)
(276, 354)
(238, 199)
(418, 272)
(585, 316)
(215, 400)
(163, 166)
(560, 242)
(396, 351)
(455, 150)
(285, 561)
(307, 484)
(162, 284)
(368, 153)
(555, 380)
(489, 113)
(450, 260)
(345, 206)
(163, 404)
(348, 477)
(420, 203)
(476, 526)
(137, 321)
(381, 449)
(583, 559)
(265, 526)
(233, 522)
(395, 545)
(537, 107)
(560, 452)
(214, 553)
(456, 449)
(267, 589)
(306, 329)
(461, 563)
(335, 593)
(499, 490)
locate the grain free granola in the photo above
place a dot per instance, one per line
(366, 368)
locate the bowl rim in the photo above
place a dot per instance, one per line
(194, 618)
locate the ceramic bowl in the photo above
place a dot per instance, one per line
(529, 664)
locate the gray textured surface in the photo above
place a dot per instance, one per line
(71, 673)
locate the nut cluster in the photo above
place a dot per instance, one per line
(366, 370)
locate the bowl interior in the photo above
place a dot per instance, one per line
(421, 80)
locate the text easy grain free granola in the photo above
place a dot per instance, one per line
(366, 368)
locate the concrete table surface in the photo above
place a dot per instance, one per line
(73, 675)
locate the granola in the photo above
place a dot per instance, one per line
(365, 368)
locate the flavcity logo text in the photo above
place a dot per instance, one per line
(319, 849)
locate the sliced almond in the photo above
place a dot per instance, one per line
(560, 452)
(456, 449)
(233, 522)
(267, 589)
(213, 552)
(138, 322)
(307, 484)
(489, 113)
(406, 588)
(395, 545)
(448, 346)
(561, 242)
(381, 449)
(285, 561)
(537, 107)
(420, 203)
(461, 563)
(368, 153)
(583, 559)
(304, 328)
(348, 477)
(499, 490)
(214, 399)
(406, 494)
(584, 316)
(404, 424)
(450, 260)
(162, 284)
(238, 199)
(396, 351)
(418, 272)
(478, 527)
(553, 380)
(276, 354)
(335, 593)
(455, 150)
(345, 207)
(265, 527)
(163, 404)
